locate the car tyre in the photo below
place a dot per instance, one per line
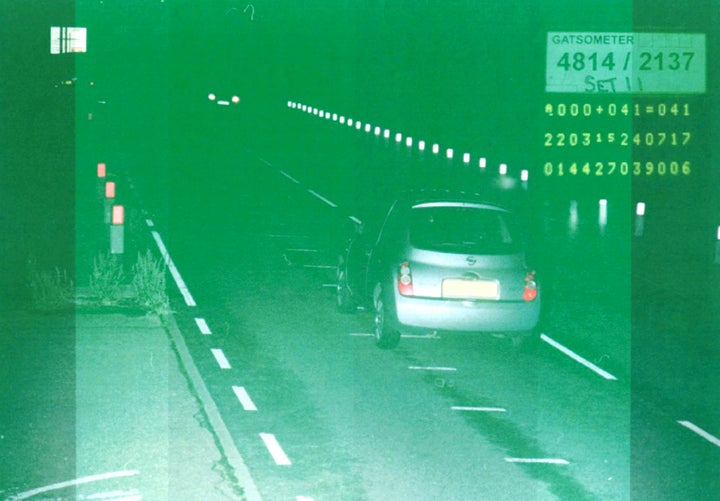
(344, 300)
(386, 336)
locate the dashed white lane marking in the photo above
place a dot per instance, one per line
(244, 398)
(77, 481)
(203, 326)
(320, 266)
(302, 250)
(320, 197)
(355, 220)
(404, 336)
(220, 358)
(265, 161)
(431, 368)
(537, 460)
(273, 446)
(149, 222)
(577, 358)
(478, 409)
(707, 436)
(289, 177)
(173, 270)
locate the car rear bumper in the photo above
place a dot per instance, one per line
(466, 316)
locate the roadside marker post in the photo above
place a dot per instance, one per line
(117, 230)
(109, 200)
(639, 219)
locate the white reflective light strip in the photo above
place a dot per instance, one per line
(149, 222)
(274, 448)
(707, 436)
(319, 196)
(289, 177)
(224, 103)
(418, 368)
(244, 398)
(220, 358)
(478, 409)
(537, 460)
(173, 270)
(77, 481)
(577, 357)
(203, 326)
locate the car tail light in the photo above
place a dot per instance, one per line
(405, 285)
(530, 292)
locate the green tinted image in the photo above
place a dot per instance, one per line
(360, 250)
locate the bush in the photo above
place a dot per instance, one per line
(50, 290)
(149, 283)
(107, 278)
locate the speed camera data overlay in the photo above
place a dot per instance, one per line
(634, 63)
(623, 105)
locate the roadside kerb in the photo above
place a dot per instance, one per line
(142, 406)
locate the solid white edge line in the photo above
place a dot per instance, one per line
(203, 326)
(77, 481)
(273, 446)
(244, 398)
(289, 177)
(319, 196)
(265, 161)
(220, 358)
(695, 428)
(419, 368)
(577, 358)
(478, 409)
(173, 270)
(537, 460)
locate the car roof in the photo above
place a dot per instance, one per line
(439, 197)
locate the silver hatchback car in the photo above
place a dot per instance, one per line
(441, 262)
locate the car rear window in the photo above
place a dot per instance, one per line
(463, 229)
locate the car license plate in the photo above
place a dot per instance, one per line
(470, 289)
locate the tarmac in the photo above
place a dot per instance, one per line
(146, 425)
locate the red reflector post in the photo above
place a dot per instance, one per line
(118, 214)
(110, 189)
(101, 169)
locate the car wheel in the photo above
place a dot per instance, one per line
(386, 336)
(344, 300)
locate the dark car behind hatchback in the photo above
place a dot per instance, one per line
(441, 263)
